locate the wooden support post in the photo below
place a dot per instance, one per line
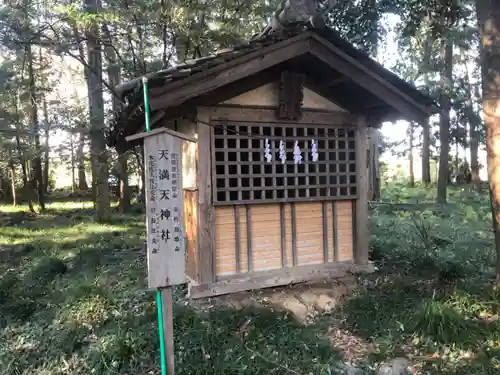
(167, 307)
(206, 211)
(361, 240)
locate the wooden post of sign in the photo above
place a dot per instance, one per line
(165, 232)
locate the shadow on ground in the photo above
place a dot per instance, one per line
(76, 302)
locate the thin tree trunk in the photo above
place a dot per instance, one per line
(46, 159)
(426, 127)
(474, 123)
(142, 195)
(22, 158)
(72, 150)
(489, 24)
(26, 185)
(426, 154)
(12, 169)
(474, 158)
(114, 77)
(33, 115)
(124, 183)
(410, 154)
(375, 134)
(80, 160)
(444, 123)
(96, 107)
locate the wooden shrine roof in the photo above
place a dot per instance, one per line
(176, 92)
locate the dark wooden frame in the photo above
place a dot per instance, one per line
(208, 283)
(278, 277)
(276, 193)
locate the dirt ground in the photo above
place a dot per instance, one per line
(306, 302)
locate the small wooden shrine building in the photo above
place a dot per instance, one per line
(276, 184)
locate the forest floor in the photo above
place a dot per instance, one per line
(73, 300)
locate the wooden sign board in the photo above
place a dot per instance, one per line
(164, 210)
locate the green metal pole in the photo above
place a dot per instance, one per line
(163, 361)
(146, 103)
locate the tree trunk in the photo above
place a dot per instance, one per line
(138, 155)
(489, 24)
(34, 125)
(26, 186)
(426, 127)
(46, 159)
(426, 153)
(124, 185)
(474, 124)
(375, 164)
(12, 169)
(411, 132)
(444, 123)
(80, 160)
(114, 78)
(474, 158)
(96, 108)
(72, 150)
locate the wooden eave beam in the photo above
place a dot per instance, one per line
(348, 66)
(201, 83)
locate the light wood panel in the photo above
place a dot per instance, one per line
(191, 230)
(225, 241)
(344, 232)
(266, 237)
(309, 229)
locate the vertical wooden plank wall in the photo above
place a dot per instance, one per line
(206, 211)
(189, 185)
(191, 231)
(360, 206)
(309, 233)
(282, 235)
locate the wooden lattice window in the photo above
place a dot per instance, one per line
(243, 175)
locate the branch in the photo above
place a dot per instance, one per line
(86, 66)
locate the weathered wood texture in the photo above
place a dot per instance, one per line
(361, 236)
(267, 96)
(164, 210)
(241, 67)
(206, 213)
(191, 231)
(290, 95)
(273, 278)
(239, 113)
(350, 67)
(267, 238)
(189, 154)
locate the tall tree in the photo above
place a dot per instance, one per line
(488, 13)
(444, 122)
(98, 150)
(426, 128)
(34, 126)
(411, 137)
(114, 78)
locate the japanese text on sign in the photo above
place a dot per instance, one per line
(164, 209)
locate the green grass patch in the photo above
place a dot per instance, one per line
(73, 299)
